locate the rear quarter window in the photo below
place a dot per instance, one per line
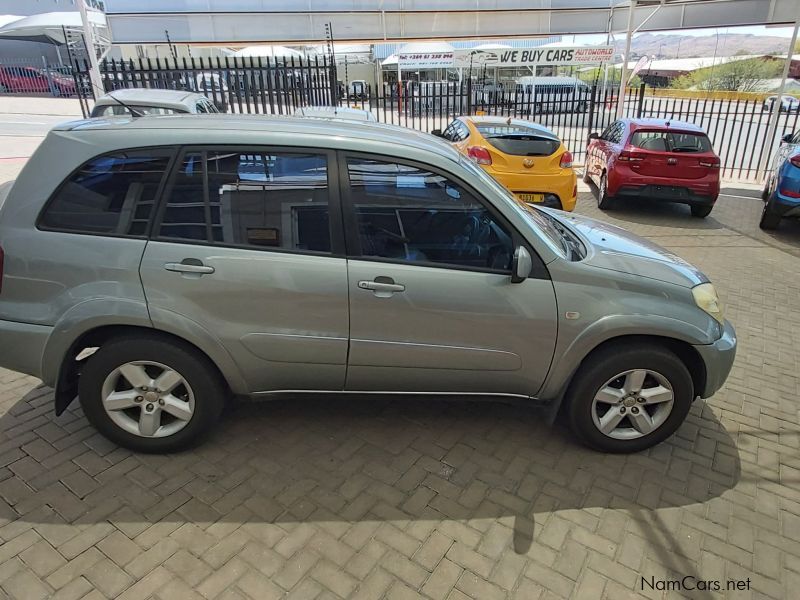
(670, 141)
(112, 194)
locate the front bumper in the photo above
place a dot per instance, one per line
(718, 359)
(23, 346)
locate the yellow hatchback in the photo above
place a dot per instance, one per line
(527, 158)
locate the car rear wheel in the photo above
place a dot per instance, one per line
(150, 394)
(701, 211)
(627, 399)
(769, 218)
(765, 192)
(604, 201)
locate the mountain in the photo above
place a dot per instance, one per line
(686, 46)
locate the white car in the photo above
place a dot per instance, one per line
(147, 101)
(335, 112)
(788, 103)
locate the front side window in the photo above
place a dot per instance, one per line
(111, 194)
(408, 214)
(251, 198)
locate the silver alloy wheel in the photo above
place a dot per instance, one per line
(148, 399)
(632, 404)
(601, 189)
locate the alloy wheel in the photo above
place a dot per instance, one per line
(148, 399)
(632, 404)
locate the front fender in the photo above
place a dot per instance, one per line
(569, 356)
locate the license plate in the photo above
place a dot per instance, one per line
(531, 197)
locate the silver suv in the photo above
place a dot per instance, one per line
(156, 266)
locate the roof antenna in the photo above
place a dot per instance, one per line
(134, 113)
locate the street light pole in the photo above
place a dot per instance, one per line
(88, 38)
(624, 75)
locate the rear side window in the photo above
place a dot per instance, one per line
(112, 194)
(670, 141)
(268, 200)
(518, 141)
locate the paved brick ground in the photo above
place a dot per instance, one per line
(335, 498)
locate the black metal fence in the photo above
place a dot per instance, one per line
(738, 128)
(32, 77)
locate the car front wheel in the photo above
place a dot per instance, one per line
(627, 399)
(769, 218)
(151, 394)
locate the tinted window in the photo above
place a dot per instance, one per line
(109, 194)
(256, 199)
(118, 109)
(670, 141)
(518, 140)
(409, 214)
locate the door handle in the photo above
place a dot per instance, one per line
(189, 267)
(383, 287)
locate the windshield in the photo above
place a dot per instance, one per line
(538, 218)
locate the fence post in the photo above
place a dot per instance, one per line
(334, 81)
(592, 104)
(640, 101)
(469, 95)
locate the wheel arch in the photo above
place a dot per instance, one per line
(70, 367)
(682, 349)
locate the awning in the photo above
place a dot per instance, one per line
(268, 51)
(48, 27)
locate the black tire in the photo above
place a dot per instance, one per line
(765, 191)
(604, 201)
(701, 211)
(201, 374)
(769, 218)
(611, 360)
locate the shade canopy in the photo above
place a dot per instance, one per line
(268, 51)
(47, 27)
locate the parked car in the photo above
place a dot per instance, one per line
(147, 101)
(526, 157)
(358, 89)
(654, 160)
(156, 266)
(31, 80)
(788, 103)
(551, 94)
(335, 112)
(782, 194)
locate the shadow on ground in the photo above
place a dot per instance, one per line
(337, 461)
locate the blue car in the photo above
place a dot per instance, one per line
(782, 194)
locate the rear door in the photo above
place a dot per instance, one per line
(248, 246)
(432, 306)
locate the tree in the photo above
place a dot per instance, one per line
(748, 75)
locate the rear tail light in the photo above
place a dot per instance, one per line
(711, 163)
(627, 156)
(789, 193)
(479, 155)
(566, 160)
(795, 160)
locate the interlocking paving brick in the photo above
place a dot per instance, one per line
(373, 498)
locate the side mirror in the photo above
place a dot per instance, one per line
(594, 136)
(436, 132)
(787, 138)
(521, 265)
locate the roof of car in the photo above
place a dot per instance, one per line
(664, 124)
(333, 112)
(487, 120)
(147, 96)
(197, 129)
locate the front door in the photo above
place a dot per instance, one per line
(249, 248)
(432, 306)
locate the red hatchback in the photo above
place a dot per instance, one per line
(654, 159)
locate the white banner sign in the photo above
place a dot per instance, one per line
(527, 57)
(425, 60)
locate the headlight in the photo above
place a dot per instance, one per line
(705, 296)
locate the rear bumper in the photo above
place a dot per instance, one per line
(23, 346)
(561, 184)
(667, 193)
(718, 359)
